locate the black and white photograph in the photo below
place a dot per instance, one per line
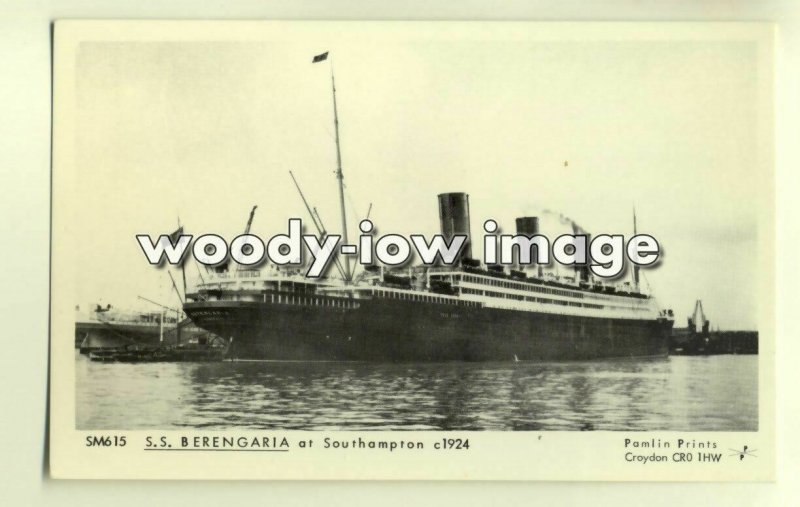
(414, 235)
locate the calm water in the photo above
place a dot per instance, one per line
(679, 393)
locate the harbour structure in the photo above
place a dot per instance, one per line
(697, 338)
(109, 327)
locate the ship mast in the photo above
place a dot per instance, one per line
(183, 263)
(247, 230)
(339, 175)
(635, 267)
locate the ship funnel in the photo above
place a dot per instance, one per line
(528, 226)
(454, 218)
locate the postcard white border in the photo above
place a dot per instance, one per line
(497, 455)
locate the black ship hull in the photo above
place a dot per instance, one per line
(91, 336)
(405, 331)
(99, 335)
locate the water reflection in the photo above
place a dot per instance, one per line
(679, 393)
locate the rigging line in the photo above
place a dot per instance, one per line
(650, 290)
(119, 333)
(175, 286)
(352, 207)
(198, 271)
(317, 223)
(320, 229)
(246, 232)
(157, 304)
(646, 282)
(183, 262)
(355, 268)
(324, 234)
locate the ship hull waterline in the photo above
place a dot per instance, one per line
(98, 335)
(407, 331)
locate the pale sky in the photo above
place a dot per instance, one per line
(205, 130)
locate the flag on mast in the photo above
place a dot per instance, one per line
(320, 58)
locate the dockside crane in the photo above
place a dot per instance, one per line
(698, 323)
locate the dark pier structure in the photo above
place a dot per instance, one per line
(697, 339)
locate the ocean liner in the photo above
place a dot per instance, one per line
(463, 312)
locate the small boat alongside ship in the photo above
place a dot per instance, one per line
(112, 335)
(108, 327)
(194, 352)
